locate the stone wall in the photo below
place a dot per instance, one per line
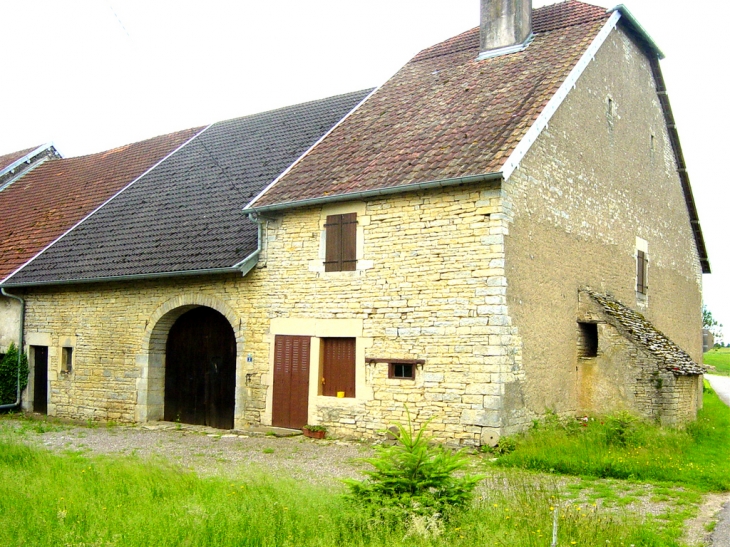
(599, 183)
(430, 285)
(625, 375)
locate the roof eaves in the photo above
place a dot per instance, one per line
(376, 192)
(92, 213)
(134, 277)
(300, 158)
(514, 159)
(694, 218)
(638, 29)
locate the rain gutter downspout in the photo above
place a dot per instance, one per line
(20, 347)
(248, 263)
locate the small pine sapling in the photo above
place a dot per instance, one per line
(413, 478)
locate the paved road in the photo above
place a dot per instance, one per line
(721, 385)
(721, 534)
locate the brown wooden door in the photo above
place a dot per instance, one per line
(40, 379)
(200, 370)
(291, 381)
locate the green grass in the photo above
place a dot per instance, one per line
(618, 447)
(72, 499)
(720, 359)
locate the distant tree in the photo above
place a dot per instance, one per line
(710, 323)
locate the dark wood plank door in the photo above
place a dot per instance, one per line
(291, 381)
(40, 379)
(200, 370)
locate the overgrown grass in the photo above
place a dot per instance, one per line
(621, 447)
(52, 499)
(720, 359)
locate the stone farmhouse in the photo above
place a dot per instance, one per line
(505, 227)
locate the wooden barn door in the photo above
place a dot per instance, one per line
(291, 381)
(200, 370)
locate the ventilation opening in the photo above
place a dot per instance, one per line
(587, 340)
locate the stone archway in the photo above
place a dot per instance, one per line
(200, 369)
(151, 383)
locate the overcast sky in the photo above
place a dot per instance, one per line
(93, 74)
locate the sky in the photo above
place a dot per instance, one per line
(90, 75)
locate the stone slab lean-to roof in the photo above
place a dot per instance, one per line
(44, 203)
(634, 326)
(445, 116)
(185, 216)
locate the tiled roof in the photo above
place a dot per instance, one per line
(44, 203)
(445, 115)
(185, 215)
(643, 333)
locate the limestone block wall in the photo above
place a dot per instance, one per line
(430, 285)
(600, 180)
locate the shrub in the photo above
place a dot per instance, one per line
(9, 374)
(413, 479)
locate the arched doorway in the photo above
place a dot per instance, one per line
(200, 369)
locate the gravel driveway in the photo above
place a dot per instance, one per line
(207, 451)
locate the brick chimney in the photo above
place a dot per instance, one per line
(506, 27)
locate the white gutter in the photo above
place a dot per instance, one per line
(92, 213)
(366, 194)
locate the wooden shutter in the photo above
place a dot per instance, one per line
(349, 242)
(641, 272)
(340, 243)
(338, 366)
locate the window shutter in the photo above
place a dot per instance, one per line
(338, 366)
(333, 245)
(341, 243)
(349, 242)
(641, 272)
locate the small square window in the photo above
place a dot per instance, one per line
(67, 359)
(402, 371)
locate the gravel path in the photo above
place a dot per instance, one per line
(208, 451)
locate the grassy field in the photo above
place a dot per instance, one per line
(621, 447)
(74, 499)
(719, 358)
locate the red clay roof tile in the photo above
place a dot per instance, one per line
(445, 114)
(43, 204)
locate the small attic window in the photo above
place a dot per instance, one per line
(587, 340)
(610, 111)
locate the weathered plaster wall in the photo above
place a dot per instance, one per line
(601, 175)
(9, 322)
